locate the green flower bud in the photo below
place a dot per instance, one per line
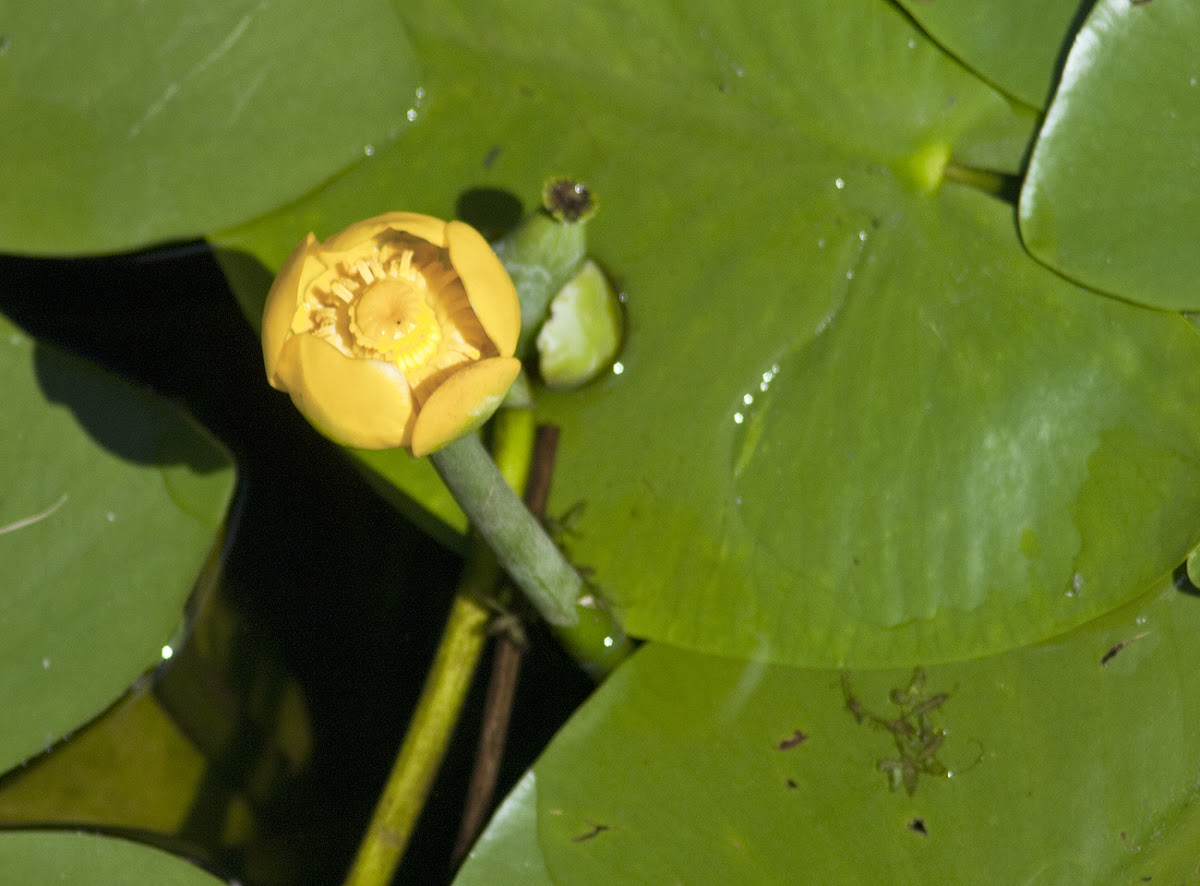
(582, 335)
(543, 252)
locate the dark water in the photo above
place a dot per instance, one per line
(327, 584)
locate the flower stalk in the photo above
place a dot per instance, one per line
(522, 547)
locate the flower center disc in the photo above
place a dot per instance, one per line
(393, 319)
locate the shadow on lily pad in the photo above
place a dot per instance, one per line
(123, 419)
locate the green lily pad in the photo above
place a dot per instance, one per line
(1018, 45)
(970, 454)
(44, 857)
(128, 123)
(111, 503)
(507, 852)
(1073, 762)
(843, 373)
(1111, 195)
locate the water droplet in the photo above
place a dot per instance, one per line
(618, 368)
(45, 664)
(419, 102)
(839, 183)
(821, 243)
(749, 421)
(167, 652)
(369, 150)
(912, 44)
(862, 236)
(1192, 81)
(608, 642)
(110, 517)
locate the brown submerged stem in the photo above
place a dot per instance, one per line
(507, 654)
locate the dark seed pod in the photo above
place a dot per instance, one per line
(568, 200)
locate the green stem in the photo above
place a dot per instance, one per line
(431, 727)
(998, 184)
(446, 685)
(526, 553)
(597, 643)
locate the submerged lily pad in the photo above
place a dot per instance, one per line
(37, 857)
(1111, 198)
(1073, 762)
(111, 504)
(854, 422)
(127, 123)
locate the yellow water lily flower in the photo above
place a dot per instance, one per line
(399, 331)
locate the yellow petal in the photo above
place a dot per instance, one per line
(282, 301)
(489, 288)
(463, 402)
(424, 226)
(361, 403)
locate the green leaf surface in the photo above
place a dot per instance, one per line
(128, 123)
(1018, 45)
(1072, 762)
(855, 423)
(41, 858)
(1111, 198)
(111, 503)
(969, 455)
